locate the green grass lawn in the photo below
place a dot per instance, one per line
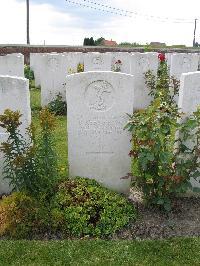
(99, 252)
(180, 251)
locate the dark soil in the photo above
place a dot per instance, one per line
(183, 221)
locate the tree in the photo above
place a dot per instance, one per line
(99, 41)
(91, 42)
(84, 42)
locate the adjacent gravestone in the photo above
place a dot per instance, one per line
(98, 147)
(14, 95)
(52, 77)
(12, 65)
(97, 62)
(189, 100)
(183, 63)
(121, 62)
(36, 66)
(169, 58)
(73, 61)
(140, 64)
(53, 70)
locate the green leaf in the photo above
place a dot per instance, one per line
(165, 157)
(150, 157)
(196, 189)
(160, 202)
(196, 174)
(167, 206)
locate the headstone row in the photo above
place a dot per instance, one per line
(51, 69)
(98, 101)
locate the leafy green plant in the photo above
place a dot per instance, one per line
(159, 172)
(29, 74)
(19, 167)
(58, 106)
(83, 207)
(30, 163)
(163, 86)
(46, 155)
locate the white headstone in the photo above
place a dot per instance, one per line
(183, 63)
(97, 62)
(12, 65)
(168, 58)
(73, 60)
(189, 100)
(140, 64)
(53, 70)
(53, 74)
(121, 62)
(35, 65)
(98, 147)
(14, 95)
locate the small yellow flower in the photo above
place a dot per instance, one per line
(80, 68)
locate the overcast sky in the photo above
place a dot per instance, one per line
(61, 22)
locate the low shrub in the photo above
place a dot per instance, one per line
(58, 106)
(21, 216)
(80, 207)
(83, 207)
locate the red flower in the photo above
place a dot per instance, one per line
(118, 62)
(162, 57)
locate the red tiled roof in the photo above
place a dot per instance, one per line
(109, 43)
